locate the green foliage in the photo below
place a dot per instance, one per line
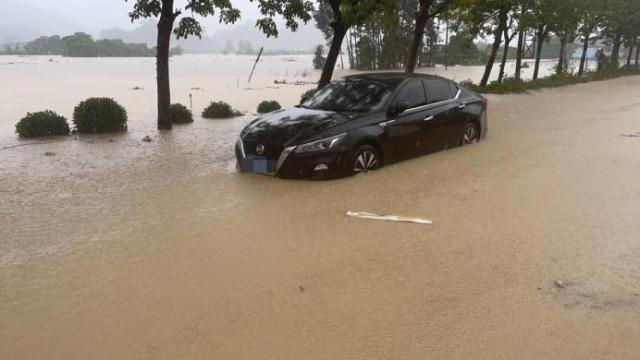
(187, 25)
(83, 45)
(80, 45)
(516, 86)
(318, 58)
(219, 110)
(291, 11)
(45, 45)
(307, 94)
(461, 50)
(179, 114)
(43, 123)
(268, 106)
(100, 115)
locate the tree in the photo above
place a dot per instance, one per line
(79, 45)
(540, 17)
(592, 13)
(340, 16)
(507, 40)
(563, 17)
(188, 26)
(426, 9)
(488, 17)
(318, 58)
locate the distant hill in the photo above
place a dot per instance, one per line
(302, 40)
(20, 22)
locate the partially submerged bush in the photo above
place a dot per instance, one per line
(268, 106)
(43, 123)
(100, 115)
(179, 114)
(307, 94)
(219, 110)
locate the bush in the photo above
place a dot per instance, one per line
(307, 94)
(219, 110)
(43, 123)
(100, 115)
(268, 106)
(179, 114)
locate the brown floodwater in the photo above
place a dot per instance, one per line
(117, 249)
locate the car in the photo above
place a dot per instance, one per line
(360, 123)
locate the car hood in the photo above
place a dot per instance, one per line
(292, 125)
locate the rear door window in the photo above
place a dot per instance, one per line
(413, 92)
(437, 90)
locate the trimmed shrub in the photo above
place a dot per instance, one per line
(43, 123)
(268, 106)
(100, 115)
(307, 94)
(179, 114)
(219, 110)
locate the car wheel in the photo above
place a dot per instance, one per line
(470, 134)
(366, 158)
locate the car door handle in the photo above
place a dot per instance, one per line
(428, 118)
(462, 106)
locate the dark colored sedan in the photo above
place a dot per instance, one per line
(360, 123)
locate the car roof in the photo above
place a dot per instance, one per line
(385, 76)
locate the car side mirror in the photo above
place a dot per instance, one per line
(398, 107)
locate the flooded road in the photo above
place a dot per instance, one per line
(114, 248)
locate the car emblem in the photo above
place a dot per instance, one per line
(260, 149)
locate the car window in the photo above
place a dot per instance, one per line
(412, 92)
(352, 95)
(437, 90)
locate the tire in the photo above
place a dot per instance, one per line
(364, 159)
(470, 134)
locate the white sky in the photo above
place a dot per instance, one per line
(103, 14)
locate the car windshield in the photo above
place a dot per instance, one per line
(352, 95)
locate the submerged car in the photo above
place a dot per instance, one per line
(360, 123)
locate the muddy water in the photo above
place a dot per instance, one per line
(114, 248)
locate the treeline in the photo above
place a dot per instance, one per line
(376, 32)
(83, 45)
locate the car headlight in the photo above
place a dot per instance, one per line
(322, 144)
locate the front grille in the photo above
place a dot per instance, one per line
(271, 152)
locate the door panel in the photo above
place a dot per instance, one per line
(404, 131)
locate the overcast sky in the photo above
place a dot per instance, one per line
(103, 14)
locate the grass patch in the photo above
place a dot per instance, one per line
(516, 86)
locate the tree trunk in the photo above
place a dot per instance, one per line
(505, 53)
(637, 52)
(633, 44)
(519, 54)
(583, 58)
(496, 46)
(165, 26)
(540, 38)
(561, 60)
(418, 34)
(339, 31)
(615, 52)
